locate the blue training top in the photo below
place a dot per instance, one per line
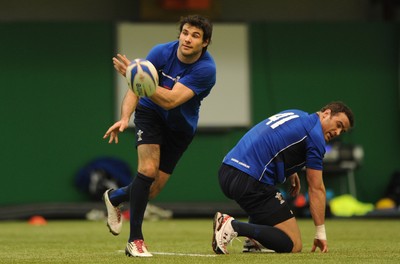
(280, 146)
(199, 76)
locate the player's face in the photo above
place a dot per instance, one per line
(333, 125)
(191, 44)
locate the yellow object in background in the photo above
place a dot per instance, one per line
(385, 203)
(346, 205)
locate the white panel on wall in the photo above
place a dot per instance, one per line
(228, 105)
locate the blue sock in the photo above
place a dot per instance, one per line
(120, 195)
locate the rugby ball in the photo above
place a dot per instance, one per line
(142, 77)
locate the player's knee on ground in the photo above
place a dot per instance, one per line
(297, 246)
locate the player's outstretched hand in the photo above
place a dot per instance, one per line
(321, 244)
(113, 131)
(121, 62)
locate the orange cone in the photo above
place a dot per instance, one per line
(37, 220)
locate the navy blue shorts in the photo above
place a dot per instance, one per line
(263, 203)
(151, 129)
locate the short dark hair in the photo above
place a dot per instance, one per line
(337, 107)
(199, 22)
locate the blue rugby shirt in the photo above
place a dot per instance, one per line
(199, 77)
(280, 146)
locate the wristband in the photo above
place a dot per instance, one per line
(320, 233)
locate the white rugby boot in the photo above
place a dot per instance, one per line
(223, 233)
(114, 218)
(137, 248)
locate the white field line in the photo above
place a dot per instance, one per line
(178, 254)
(184, 254)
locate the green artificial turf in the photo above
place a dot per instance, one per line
(189, 241)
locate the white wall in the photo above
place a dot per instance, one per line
(228, 105)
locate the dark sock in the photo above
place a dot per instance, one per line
(139, 196)
(120, 195)
(270, 237)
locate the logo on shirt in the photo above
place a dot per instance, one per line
(175, 80)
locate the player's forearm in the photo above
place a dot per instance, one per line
(169, 99)
(128, 105)
(317, 209)
(317, 197)
(163, 98)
